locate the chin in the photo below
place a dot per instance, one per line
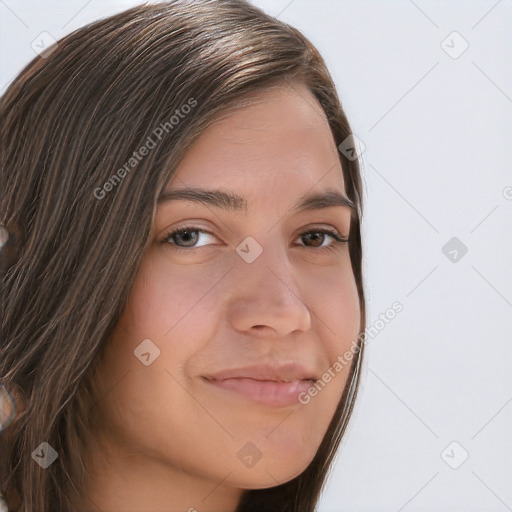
(271, 473)
(267, 478)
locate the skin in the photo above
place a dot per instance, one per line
(168, 440)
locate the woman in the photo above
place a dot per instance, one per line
(183, 300)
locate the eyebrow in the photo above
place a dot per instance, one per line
(230, 201)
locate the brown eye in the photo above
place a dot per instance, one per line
(316, 238)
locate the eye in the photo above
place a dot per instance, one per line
(185, 238)
(312, 236)
(186, 235)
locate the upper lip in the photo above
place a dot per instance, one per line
(284, 372)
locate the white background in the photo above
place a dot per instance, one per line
(436, 165)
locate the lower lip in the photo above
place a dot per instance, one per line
(277, 394)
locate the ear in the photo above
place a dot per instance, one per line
(12, 240)
(12, 404)
(4, 235)
(3, 504)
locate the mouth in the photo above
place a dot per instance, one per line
(272, 393)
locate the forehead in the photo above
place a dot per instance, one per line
(280, 145)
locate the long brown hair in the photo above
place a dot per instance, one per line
(70, 122)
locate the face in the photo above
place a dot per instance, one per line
(239, 310)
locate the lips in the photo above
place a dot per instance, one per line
(271, 385)
(285, 372)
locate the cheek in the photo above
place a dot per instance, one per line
(334, 300)
(165, 297)
(174, 307)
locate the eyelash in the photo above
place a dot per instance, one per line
(338, 241)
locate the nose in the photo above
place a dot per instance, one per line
(266, 300)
